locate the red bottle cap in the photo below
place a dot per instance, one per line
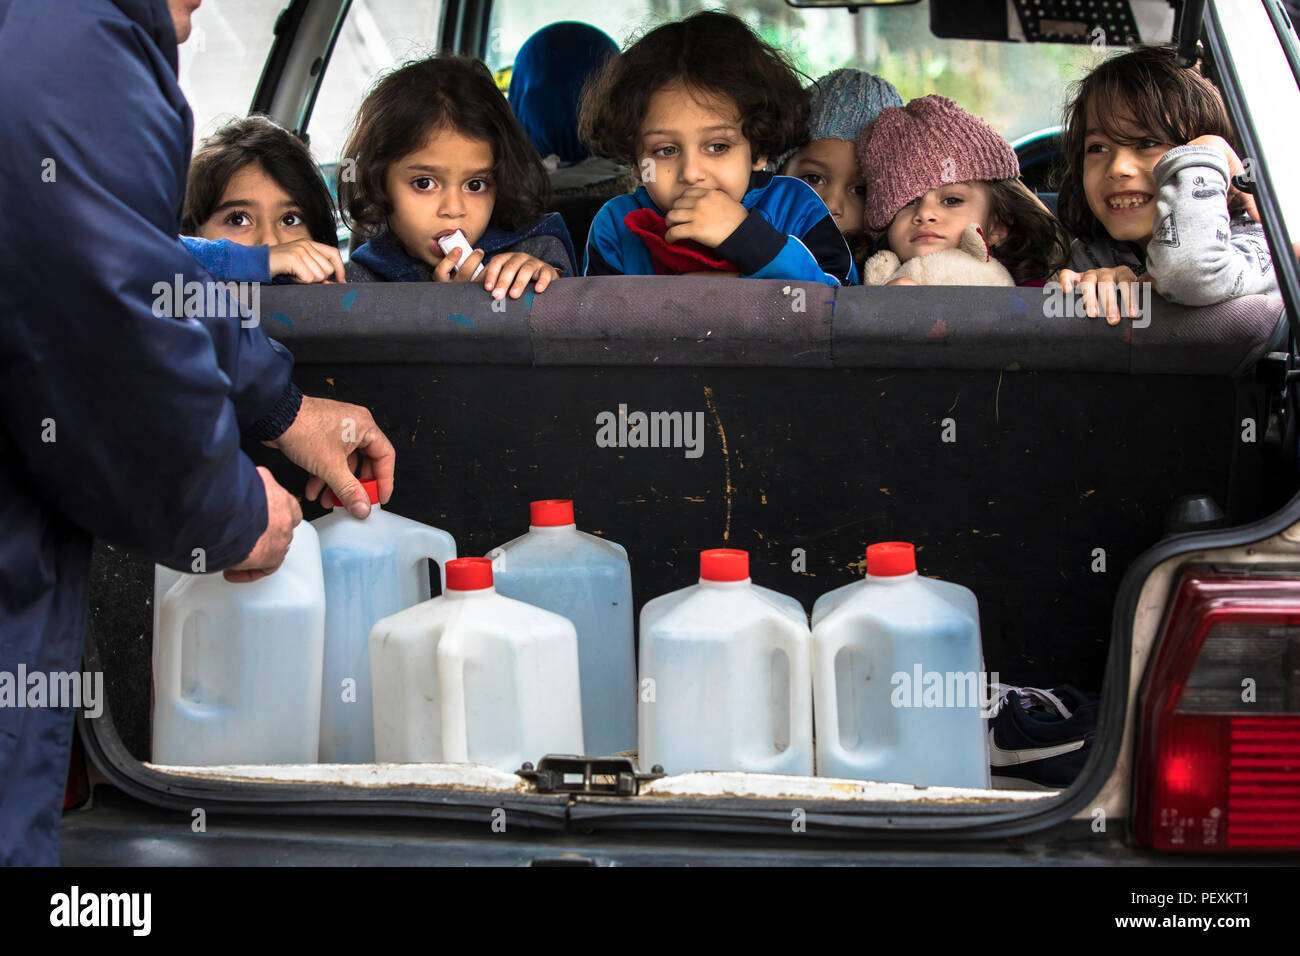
(330, 500)
(889, 559)
(724, 564)
(469, 574)
(550, 513)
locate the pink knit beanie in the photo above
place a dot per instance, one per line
(930, 142)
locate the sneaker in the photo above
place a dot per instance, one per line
(1040, 739)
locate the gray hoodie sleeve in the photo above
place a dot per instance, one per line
(1197, 255)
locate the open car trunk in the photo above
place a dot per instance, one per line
(1015, 448)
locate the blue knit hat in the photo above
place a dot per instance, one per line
(844, 101)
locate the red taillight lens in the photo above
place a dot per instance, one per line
(1219, 752)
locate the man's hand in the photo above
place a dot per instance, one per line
(306, 261)
(708, 216)
(325, 440)
(1105, 290)
(282, 516)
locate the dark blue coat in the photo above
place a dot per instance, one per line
(145, 412)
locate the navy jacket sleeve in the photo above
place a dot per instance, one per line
(228, 260)
(127, 421)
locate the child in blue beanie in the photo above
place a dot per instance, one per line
(843, 102)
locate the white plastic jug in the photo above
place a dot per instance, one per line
(898, 677)
(374, 567)
(724, 678)
(588, 580)
(237, 667)
(474, 677)
(163, 579)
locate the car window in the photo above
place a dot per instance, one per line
(376, 36)
(220, 64)
(1017, 87)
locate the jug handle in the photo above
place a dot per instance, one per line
(451, 690)
(823, 654)
(788, 646)
(168, 644)
(429, 543)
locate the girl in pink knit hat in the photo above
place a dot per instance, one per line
(932, 170)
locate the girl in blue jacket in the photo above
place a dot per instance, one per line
(698, 107)
(434, 151)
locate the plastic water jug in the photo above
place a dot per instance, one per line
(475, 677)
(163, 579)
(898, 677)
(237, 667)
(374, 567)
(588, 580)
(725, 675)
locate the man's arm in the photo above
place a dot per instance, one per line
(123, 419)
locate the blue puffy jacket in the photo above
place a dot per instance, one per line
(114, 422)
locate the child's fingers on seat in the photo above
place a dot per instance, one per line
(1087, 287)
(492, 275)
(1108, 295)
(526, 271)
(545, 275)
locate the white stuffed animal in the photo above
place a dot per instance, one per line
(968, 264)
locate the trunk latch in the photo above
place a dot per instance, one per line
(563, 773)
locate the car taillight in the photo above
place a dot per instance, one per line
(1218, 760)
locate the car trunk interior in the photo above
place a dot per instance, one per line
(1029, 457)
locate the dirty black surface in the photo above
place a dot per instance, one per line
(1045, 469)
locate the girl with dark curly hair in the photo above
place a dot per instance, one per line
(434, 151)
(698, 107)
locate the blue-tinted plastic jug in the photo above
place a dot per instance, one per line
(475, 677)
(588, 580)
(374, 567)
(237, 667)
(898, 677)
(724, 679)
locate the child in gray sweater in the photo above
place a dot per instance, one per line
(1148, 191)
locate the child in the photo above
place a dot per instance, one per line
(257, 207)
(1147, 190)
(437, 150)
(932, 169)
(698, 107)
(843, 102)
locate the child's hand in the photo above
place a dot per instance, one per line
(448, 271)
(1105, 290)
(306, 261)
(1235, 168)
(902, 280)
(519, 268)
(708, 216)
